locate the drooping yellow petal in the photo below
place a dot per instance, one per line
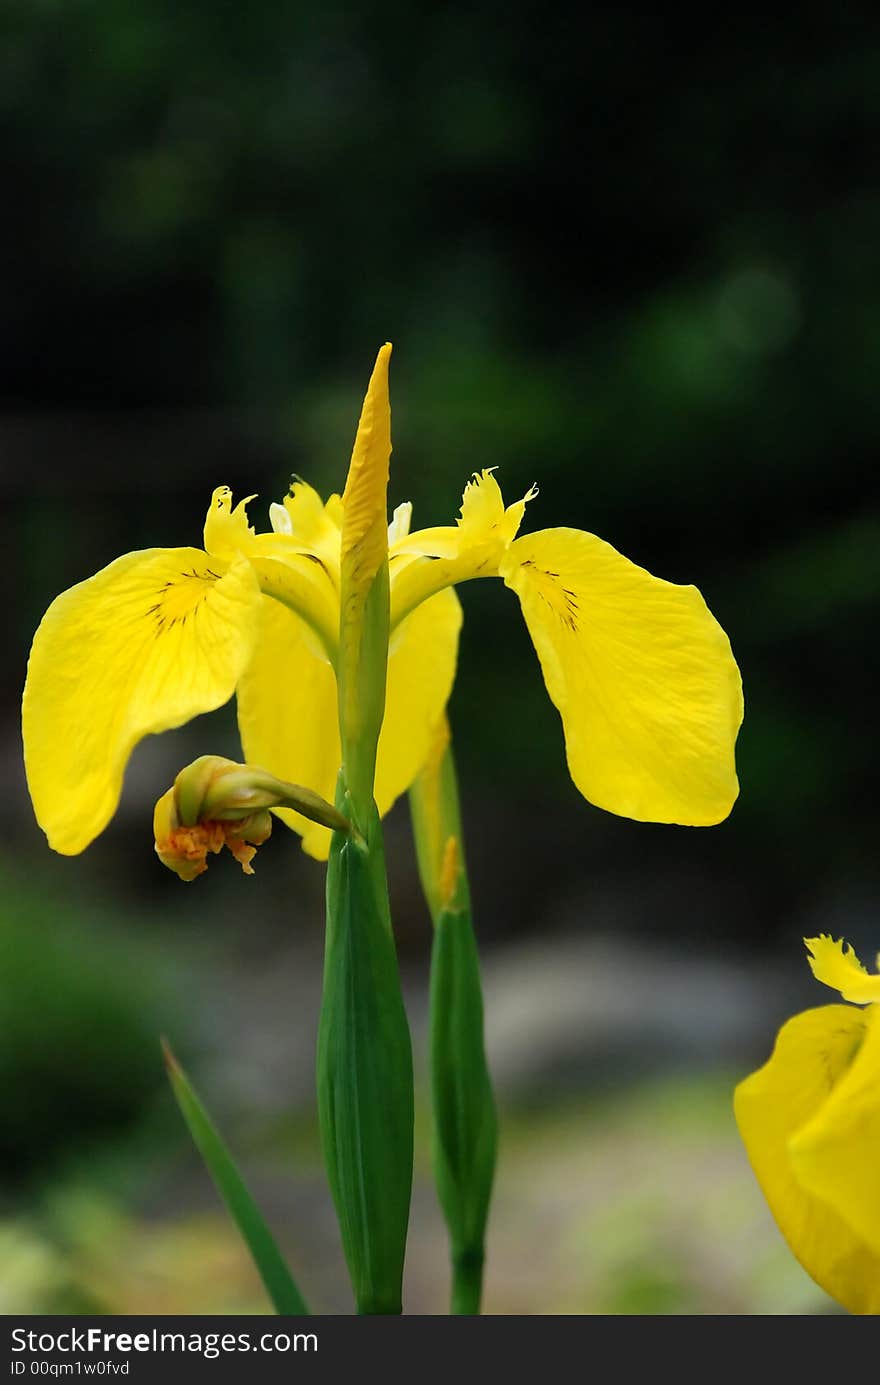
(287, 709)
(813, 1053)
(642, 675)
(836, 1155)
(835, 964)
(431, 830)
(287, 714)
(304, 584)
(422, 658)
(149, 642)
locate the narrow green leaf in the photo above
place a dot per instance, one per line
(276, 1277)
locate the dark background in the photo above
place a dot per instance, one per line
(633, 258)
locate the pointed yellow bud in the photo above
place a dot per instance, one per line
(365, 498)
(364, 595)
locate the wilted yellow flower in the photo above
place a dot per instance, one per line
(810, 1121)
(185, 849)
(640, 671)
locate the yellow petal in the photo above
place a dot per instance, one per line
(483, 517)
(287, 710)
(428, 560)
(813, 1054)
(227, 531)
(422, 658)
(303, 583)
(642, 675)
(314, 526)
(431, 824)
(297, 564)
(151, 641)
(401, 520)
(287, 714)
(836, 1155)
(836, 965)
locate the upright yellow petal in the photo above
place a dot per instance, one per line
(813, 1054)
(227, 531)
(428, 560)
(836, 1155)
(303, 517)
(642, 675)
(401, 520)
(835, 964)
(483, 517)
(297, 564)
(287, 711)
(149, 642)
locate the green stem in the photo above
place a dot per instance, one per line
(464, 1141)
(467, 1283)
(364, 1070)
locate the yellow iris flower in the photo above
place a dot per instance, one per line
(810, 1121)
(642, 674)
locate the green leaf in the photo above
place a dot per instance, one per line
(365, 1079)
(276, 1277)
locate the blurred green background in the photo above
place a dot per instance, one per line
(625, 256)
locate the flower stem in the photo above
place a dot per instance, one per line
(364, 1072)
(465, 1134)
(364, 1066)
(467, 1283)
